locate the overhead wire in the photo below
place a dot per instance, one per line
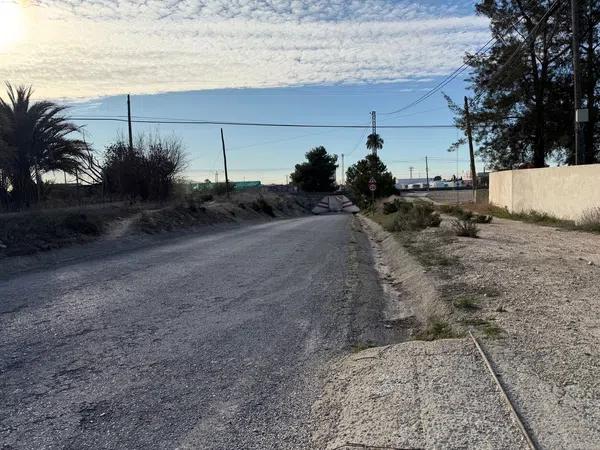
(250, 124)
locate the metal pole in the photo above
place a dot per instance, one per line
(576, 78)
(129, 122)
(456, 179)
(374, 126)
(427, 172)
(342, 170)
(225, 163)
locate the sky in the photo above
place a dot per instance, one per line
(284, 61)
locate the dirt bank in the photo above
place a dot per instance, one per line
(529, 293)
(28, 233)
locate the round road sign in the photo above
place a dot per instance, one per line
(372, 187)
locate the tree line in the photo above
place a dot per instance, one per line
(523, 90)
(317, 173)
(36, 138)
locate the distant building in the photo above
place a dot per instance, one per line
(237, 185)
(421, 184)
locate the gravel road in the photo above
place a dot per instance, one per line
(208, 341)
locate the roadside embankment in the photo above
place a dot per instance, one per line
(529, 293)
(28, 233)
(428, 392)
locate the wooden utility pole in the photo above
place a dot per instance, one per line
(576, 81)
(427, 171)
(471, 150)
(77, 186)
(225, 163)
(129, 122)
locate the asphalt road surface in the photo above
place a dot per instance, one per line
(216, 340)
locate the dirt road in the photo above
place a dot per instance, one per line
(212, 341)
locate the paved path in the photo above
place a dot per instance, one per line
(212, 341)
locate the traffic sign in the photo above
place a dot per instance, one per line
(372, 187)
(372, 181)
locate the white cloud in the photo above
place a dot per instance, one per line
(87, 49)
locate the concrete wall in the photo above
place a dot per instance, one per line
(563, 192)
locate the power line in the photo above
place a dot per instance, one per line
(444, 82)
(249, 124)
(530, 35)
(462, 68)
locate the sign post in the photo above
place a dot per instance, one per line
(372, 188)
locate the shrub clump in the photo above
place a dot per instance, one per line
(482, 218)
(81, 224)
(465, 228)
(437, 329)
(261, 205)
(590, 220)
(414, 216)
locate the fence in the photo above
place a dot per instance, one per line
(563, 192)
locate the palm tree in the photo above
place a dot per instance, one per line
(374, 142)
(34, 140)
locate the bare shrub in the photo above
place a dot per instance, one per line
(590, 220)
(465, 228)
(147, 171)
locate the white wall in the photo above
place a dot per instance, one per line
(563, 192)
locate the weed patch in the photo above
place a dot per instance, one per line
(492, 330)
(437, 329)
(466, 303)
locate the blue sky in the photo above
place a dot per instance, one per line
(303, 61)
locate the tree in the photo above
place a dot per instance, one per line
(147, 171)
(318, 173)
(374, 142)
(34, 139)
(359, 174)
(522, 84)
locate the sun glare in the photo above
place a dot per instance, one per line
(12, 24)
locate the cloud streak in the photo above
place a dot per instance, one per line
(88, 49)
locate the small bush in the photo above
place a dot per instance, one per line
(414, 217)
(390, 208)
(492, 330)
(466, 303)
(435, 220)
(465, 228)
(456, 211)
(80, 223)
(221, 188)
(207, 197)
(482, 218)
(590, 220)
(437, 329)
(261, 205)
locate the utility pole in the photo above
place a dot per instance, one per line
(374, 127)
(427, 171)
(579, 153)
(411, 169)
(225, 163)
(342, 170)
(129, 122)
(471, 151)
(216, 176)
(77, 185)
